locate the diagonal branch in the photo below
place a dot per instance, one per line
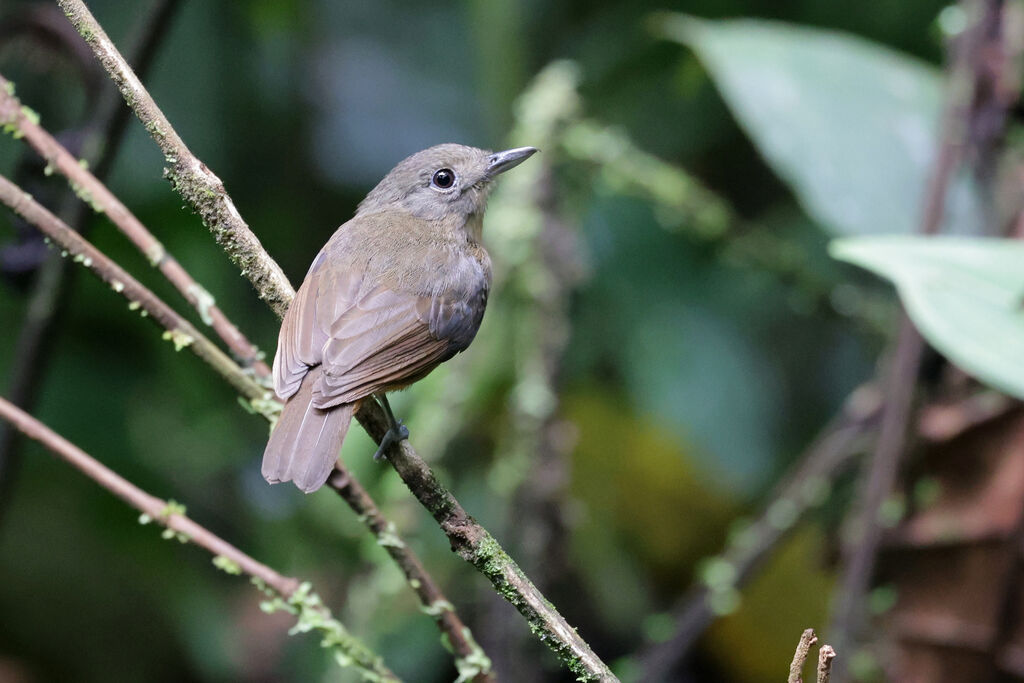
(178, 330)
(475, 545)
(196, 184)
(294, 596)
(470, 660)
(204, 191)
(965, 62)
(14, 117)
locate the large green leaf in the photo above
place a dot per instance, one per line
(966, 296)
(850, 125)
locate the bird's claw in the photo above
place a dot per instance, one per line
(396, 432)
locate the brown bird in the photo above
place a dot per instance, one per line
(396, 291)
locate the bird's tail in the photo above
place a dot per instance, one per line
(306, 441)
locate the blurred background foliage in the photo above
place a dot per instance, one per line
(666, 335)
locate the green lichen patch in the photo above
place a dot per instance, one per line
(179, 338)
(227, 565)
(313, 616)
(171, 508)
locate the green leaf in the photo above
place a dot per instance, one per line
(965, 295)
(851, 126)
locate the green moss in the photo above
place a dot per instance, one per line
(437, 608)
(172, 507)
(179, 338)
(30, 114)
(313, 616)
(389, 537)
(227, 565)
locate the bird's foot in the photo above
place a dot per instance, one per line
(396, 432)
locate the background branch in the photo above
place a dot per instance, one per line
(864, 531)
(305, 604)
(805, 487)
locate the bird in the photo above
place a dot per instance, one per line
(397, 290)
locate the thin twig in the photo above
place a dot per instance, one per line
(196, 184)
(475, 545)
(178, 330)
(170, 516)
(864, 537)
(204, 191)
(803, 488)
(470, 658)
(14, 117)
(880, 477)
(803, 648)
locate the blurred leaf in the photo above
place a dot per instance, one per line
(964, 295)
(848, 124)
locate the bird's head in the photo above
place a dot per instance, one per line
(443, 181)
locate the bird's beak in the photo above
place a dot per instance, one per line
(500, 162)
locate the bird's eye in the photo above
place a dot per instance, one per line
(443, 179)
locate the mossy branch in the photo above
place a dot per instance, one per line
(475, 545)
(471, 661)
(197, 185)
(284, 592)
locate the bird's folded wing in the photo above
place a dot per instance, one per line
(384, 340)
(366, 338)
(323, 296)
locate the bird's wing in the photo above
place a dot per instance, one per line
(299, 342)
(388, 339)
(367, 338)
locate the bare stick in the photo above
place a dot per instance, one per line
(169, 515)
(90, 189)
(178, 330)
(190, 177)
(803, 648)
(825, 656)
(204, 191)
